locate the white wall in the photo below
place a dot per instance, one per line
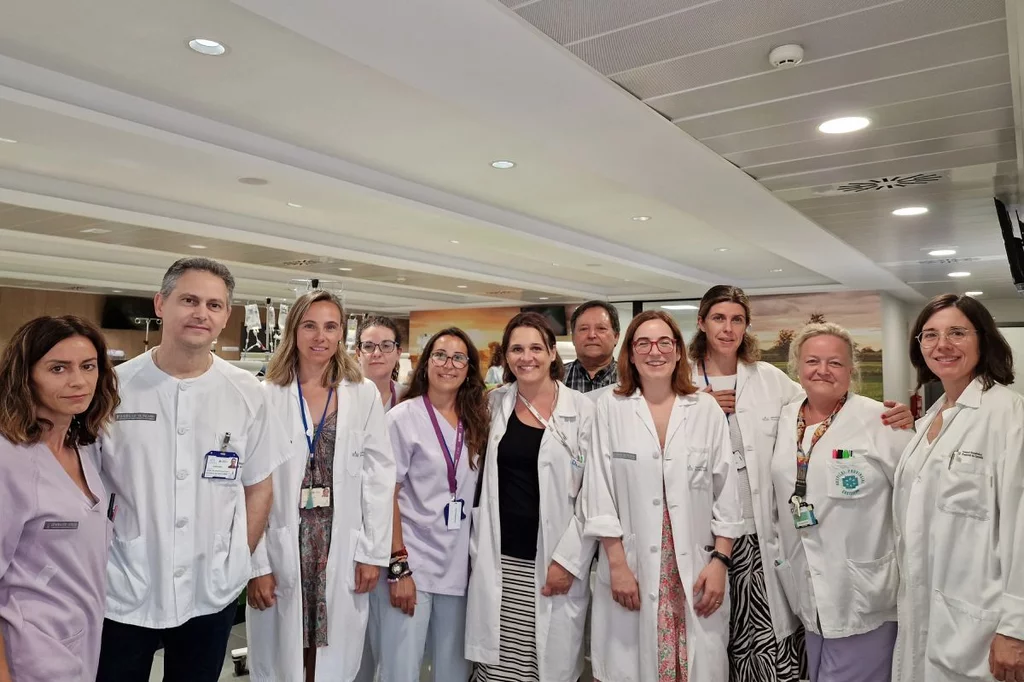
(897, 374)
(1015, 337)
(1005, 310)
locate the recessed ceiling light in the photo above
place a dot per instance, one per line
(462, 286)
(253, 181)
(680, 307)
(502, 164)
(206, 46)
(454, 241)
(118, 291)
(7, 140)
(775, 270)
(911, 210)
(292, 204)
(721, 249)
(345, 269)
(942, 252)
(196, 246)
(959, 274)
(555, 265)
(400, 279)
(846, 124)
(95, 230)
(641, 218)
(543, 298)
(627, 280)
(973, 293)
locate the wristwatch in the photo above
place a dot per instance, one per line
(398, 570)
(715, 554)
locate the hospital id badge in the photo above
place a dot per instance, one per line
(803, 513)
(221, 466)
(739, 462)
(453, 514)
(315, 498)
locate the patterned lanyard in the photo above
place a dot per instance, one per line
(803, 459)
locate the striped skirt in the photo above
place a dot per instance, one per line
(754, 654)
(518, 647)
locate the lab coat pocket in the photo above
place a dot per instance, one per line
(282, 549)
(874, 583)
(965, 488)
(849, 479)
(787, 580)
(959, 637)
(354, 452)
(698, 467)
(353, 545)
(124, 570)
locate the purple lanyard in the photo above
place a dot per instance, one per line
(450, 462)
(394, 396)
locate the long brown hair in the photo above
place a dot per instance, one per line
(18, 421)
(995, 357)
(543, 327)
(281, 370)
(470, 401)
(748, 352)
(629, 377)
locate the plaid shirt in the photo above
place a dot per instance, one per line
(578, 378)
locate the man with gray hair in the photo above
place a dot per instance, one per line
(188, 463)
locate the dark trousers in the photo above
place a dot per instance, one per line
(193, 652)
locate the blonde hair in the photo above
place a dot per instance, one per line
(824, 329)
(281, 370)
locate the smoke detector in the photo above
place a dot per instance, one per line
(785, 56)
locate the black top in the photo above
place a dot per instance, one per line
(519, 489)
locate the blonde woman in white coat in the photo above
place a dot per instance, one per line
(766, 642)
(530, 580)
(330, 527)
(660, 493)
(832, 473)
(959, 506)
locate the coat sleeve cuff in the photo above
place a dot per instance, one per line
(1012, 622)
(260, 561)
(603, 527)
(575, 551)
(727, 529)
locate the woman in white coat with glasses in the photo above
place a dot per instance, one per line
(329, 531)
(661, 495)
(530, 580)
(959, 506)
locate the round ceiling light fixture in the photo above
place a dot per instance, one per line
(973, 293)
(846, 124)
(641, 218)
(211, 48)
(502, 164)
(910, 210)
(959, 274)
(942, 252)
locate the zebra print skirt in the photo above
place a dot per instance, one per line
(754, 655)
(518, 647)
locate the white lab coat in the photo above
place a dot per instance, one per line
(762, 390)
(840, 576)
(363, 493)
(560, 619)
(622, 497)
(959, 517)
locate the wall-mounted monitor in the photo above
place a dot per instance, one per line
(555, 315)
(120, 312)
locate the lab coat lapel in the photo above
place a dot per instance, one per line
(743, 372)
(677, 418)
(644, 413)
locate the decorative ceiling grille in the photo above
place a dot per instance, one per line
(893, 182)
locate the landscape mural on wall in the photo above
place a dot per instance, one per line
(776, 320)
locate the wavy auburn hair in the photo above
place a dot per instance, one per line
(470, 402)
(18, 421)
(281, 370)
(629, 377)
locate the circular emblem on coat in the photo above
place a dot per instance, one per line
(850, 481)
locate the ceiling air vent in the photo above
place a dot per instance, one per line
(503, 292)
(303, 262)
(891, 182)
(948, 261)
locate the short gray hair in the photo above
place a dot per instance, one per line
(824, 329)
(183, 265)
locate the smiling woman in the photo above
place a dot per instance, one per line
(57, 393)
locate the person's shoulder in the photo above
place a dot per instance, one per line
(405, 409)
(16, 459)
(128, 370)
(1003, 400)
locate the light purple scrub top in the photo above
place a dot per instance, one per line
(438, 557)
(53, 566)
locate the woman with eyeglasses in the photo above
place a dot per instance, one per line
(378, 349)
(959, 506)
(660, 493)
(437, 432)
(329, 531)
(530, 581)
(766, 641)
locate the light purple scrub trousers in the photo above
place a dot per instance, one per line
(860, 658)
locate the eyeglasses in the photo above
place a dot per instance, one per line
(955, 335)
(440, 359)
(386, 347)
(665, 344)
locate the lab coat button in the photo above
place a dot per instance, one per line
(182, 430)
(657, 501)
(657, 455)
(750, 448)
(181, 523)
(653, 596)
(178, 572)
(654, 549)
(183, 386)
(181, 475)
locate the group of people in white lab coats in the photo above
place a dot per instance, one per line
(745, 527)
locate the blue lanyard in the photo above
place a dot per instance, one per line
(311, 442)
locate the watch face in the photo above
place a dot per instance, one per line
(396, 569)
